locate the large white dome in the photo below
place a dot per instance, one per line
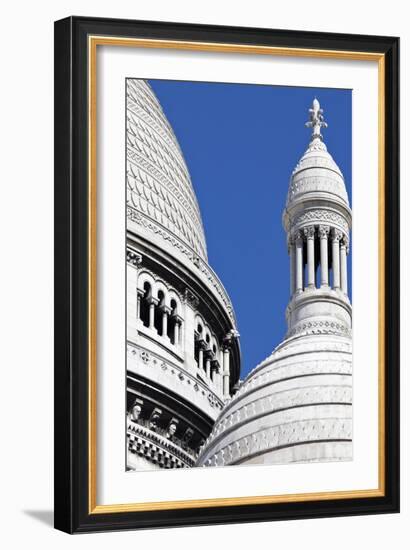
(159, 190)
(296, 406)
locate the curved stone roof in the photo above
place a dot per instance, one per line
(316, 172)
(294, 407)
(159, 188)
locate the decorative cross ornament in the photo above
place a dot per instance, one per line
(316, 119)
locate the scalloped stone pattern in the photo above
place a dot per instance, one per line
(295, 406)
(317, 172)
(158, 181)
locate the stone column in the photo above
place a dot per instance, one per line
(165, 312)
(343, 264)
(324, 267)
(187, 336)
(217, 381)
(217, 377)
(208, 366)
(226, 372)
(201, 358)
(310, 237)
(152, 303)
(176, 332)
(299, 263)
(336, 258)
(292, 255)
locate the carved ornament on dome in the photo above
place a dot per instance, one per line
(309, 231)
(337, 235)
(134, 258)
(293, 433)
(280, 400)
(318, 216)
(320, 327)
(184, 377)
(316, 162)
(309, 184)
(323, 231)
(300, 369)
(190, 298)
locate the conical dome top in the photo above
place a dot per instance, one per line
(316, 173)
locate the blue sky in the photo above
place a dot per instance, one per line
(241, 143)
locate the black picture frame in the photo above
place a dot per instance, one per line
(71, 493)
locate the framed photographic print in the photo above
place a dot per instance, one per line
(226, 274)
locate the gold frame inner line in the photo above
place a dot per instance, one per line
(93, 42)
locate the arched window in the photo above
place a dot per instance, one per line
(159, 312)
(171, 332)
(144, 305)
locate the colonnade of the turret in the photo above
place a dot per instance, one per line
(314, 246)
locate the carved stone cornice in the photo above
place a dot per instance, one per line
(156, 448)
(319, 216)
(190, 298)
(337, 235)
(151, 300)
(323, 231)
(345, 242)
(134, 258)
(309, 232)
(298, 236)
(150, 360)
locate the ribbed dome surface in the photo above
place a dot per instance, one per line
(159, 189)
(316, 172)
(293, 407)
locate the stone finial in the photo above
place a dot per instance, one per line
(316, 120)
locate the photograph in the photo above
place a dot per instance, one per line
(238, 280)
(227, 274)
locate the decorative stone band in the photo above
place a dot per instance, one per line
(151, 360)
(281, 436)
(302, 185)
(156, 448)
(263, 376)
(189, 253)
(284, 400)
(318, 216)
(320, 327)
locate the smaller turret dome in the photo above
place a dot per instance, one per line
(316, 175)
(317, 172)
